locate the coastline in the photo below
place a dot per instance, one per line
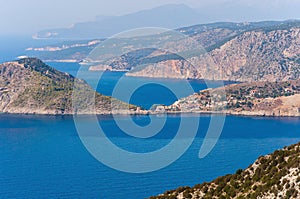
(283, 106)
(149, 112)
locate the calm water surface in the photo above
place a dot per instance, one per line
(43, 157)
(155, 91)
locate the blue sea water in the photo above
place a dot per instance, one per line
(13, 46)
(153, 91)
(43, 157)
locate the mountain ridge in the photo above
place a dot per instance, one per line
(244, 52)
(167, 16)
(260, 54)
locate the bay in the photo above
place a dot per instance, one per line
(43, 157)
(152, 91)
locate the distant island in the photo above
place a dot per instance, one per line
(276, 175)
(69, 51)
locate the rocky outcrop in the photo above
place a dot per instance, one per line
(273, 176)
(29, 86)
(167, 69)
(260, 56)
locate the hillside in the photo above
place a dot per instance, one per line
(272, 176)
(246, 52)
(257, 98)
(148, 58)
(29, 86)
(208, 35)
(268, 53)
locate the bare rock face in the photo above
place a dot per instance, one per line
(260, 56)
(167, 69)
(29, 86)
(257, 55)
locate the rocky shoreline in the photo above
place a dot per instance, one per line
(149, 112)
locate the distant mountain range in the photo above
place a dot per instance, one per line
(168, 16)
(173, 16)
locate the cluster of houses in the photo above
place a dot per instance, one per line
(199, 102)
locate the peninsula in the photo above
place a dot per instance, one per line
(29, 86)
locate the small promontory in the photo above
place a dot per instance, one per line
(29, 86)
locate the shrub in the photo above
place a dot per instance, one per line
(186, 194)
(239, 171)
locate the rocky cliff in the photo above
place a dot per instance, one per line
(262, 54)
(29, 86)
(272, 176)
(154, 49)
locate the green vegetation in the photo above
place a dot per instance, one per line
(262, 98)
(268, 176)
(219, 34)
(36, 87)
(245, 96)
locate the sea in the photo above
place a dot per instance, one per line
(44, 157)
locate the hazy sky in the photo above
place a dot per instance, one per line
(29, 16)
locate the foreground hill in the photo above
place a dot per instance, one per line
(273, 176)
(30, 86)
(256, 98)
